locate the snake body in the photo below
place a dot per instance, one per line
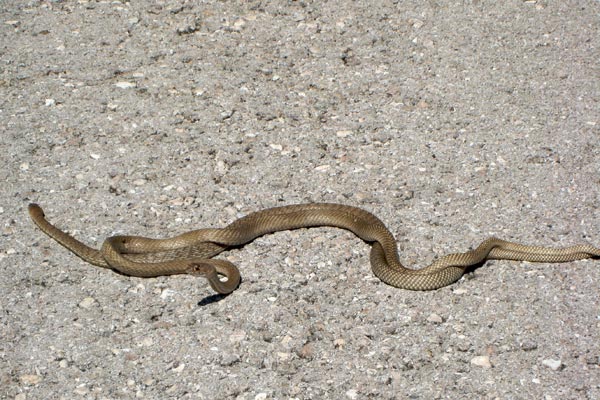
(192, 252)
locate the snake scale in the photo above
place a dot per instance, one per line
(192, 252)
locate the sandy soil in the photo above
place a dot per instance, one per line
(451, 121)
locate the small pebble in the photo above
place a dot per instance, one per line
(229, 359)
(529, 345)
(352, 394)
(463, 345)
(30, 379)
(436, 319)
(237, 336)
(307, 351)
(178, 367)
(239, 23)
(554, 365)
(87, 302)
(416, 23)
(167, 293)
(227, 114)
(81, 390)
(125, 85)
(593, 360)
(481, 361)
(343, 134)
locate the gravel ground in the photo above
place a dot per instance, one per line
(451, 121)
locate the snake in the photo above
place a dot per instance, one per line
(192, 252)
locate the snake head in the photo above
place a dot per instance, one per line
(211, 269)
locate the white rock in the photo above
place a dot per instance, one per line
(87, 302)
(239, 22)
(178, 368)
(125, 85)
(416, 23)
(167, 293)
(343, 133)
(481, 361)
(30, 379)
(554, 365)
(81, 390)
(436, 319)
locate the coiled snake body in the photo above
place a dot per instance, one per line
(192, 252)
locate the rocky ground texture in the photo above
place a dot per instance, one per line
(450, 120)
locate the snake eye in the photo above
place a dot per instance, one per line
(200, 269)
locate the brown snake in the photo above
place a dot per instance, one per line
(192, 252)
